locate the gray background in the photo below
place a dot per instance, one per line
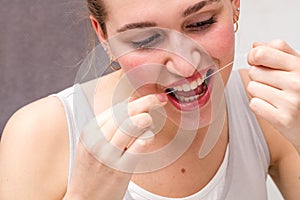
(41, 46)
(43, 42)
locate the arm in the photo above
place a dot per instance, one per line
(34, 156)
(34, 153)
(285, 160)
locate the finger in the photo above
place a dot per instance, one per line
(109, 153)
(131, 129)
(146, 103)
(275, 78)
(278, 44)
(124, 110)
(272, 58)
(264, 110)
(106, 123)
(104, 117)
(277, 117)
(136, 152)
(110, 124)
(109, 128)
(267, 93)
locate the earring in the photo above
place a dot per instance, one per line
(115, 66)
(236, 19)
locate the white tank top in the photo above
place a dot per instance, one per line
(241, 176)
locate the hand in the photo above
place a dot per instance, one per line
(275, 87)
(104, 163)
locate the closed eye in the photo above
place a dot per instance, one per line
(147, 43)
(202, 25)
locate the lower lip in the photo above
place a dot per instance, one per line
(191, 106)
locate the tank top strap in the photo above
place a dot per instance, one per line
(249, 155)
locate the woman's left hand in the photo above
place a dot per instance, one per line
(275, 87)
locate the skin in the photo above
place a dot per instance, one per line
(274, 99)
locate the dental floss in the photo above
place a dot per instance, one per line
(208, 76)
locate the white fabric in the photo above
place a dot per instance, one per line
(248, 154)
(213, 190)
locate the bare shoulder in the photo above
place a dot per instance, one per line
(34, 152)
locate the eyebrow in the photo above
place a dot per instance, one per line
(193, 9)
(136, 25)
(198, 6)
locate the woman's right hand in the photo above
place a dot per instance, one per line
(104, 165)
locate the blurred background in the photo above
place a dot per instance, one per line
(42, 44)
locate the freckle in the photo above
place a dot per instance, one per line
(183, 170)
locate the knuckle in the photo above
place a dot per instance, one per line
(142, 120)
(254, 73)
(253, 104)
(295, 101)
(279, 44)
(144, 143)
(286, 120)
(294, 84)
(151, 99)
(131, 109)
(251, 73)
(251, 88)
(258, 55)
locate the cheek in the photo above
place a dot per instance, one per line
(129, 62)
(221, 46)
(141, 70)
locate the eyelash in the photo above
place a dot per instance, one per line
(145, 43)
(200, 26)
(151, 41)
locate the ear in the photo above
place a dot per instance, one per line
(97, 28)
(235, 5)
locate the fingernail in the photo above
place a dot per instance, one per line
(256, 44)
(131, 99)
(162, 97)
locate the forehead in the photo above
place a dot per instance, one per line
(142, 10)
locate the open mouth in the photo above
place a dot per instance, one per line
(192, 93)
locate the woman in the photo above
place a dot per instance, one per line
(35, 145)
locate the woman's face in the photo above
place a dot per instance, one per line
(208, 23)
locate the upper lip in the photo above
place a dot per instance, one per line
(188, 80)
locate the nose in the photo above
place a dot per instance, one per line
(183, 65)
(184, 56)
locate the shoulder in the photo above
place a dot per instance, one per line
(279, 147)
(34, 148)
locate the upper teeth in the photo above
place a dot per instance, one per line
(191, 86)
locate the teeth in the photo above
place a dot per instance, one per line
(187, 99)
(178, 88)
(200, 81)
(186, 87)
(194, 85)
(182, 99)
(189, 87)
